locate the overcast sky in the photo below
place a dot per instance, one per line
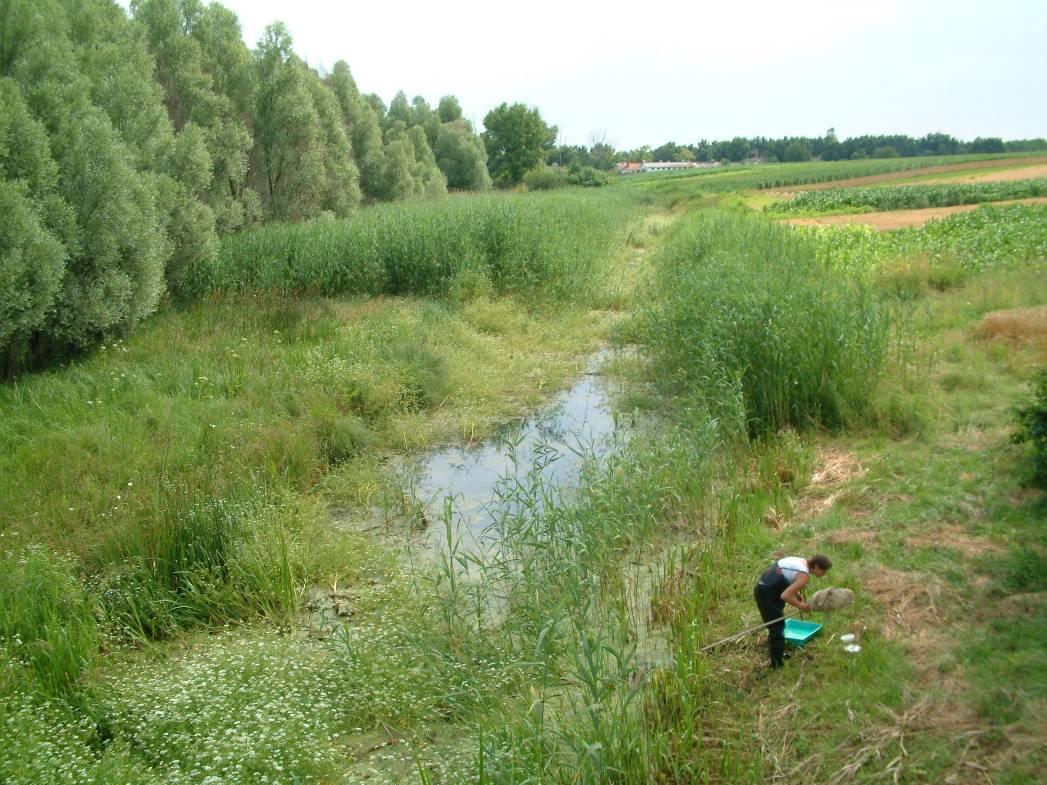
(649, 72)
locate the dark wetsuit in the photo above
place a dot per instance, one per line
(768, 593)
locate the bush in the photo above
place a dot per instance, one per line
(545, 179)
(1032, 428)
(588, 177)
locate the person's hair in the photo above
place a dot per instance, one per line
(820, 561)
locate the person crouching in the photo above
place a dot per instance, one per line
(782, 583)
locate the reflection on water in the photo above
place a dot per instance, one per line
(554, 443)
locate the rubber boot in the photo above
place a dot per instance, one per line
(777, 649)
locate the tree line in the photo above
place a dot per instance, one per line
(129, 143)
(602, 155)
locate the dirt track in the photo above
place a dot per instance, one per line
(897, 219)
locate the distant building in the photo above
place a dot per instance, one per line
(643, 167)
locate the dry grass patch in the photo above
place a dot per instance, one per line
(834, 468)
(864, 537)
(954, 536)
(911, 603)
(1015, 325)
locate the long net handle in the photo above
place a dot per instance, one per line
(742, 634)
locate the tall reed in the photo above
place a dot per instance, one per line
(745, 318)
(540, 245)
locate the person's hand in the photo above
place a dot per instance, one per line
(804, 606)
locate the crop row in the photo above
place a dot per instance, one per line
(762, 176)
(984, 239)
(911, 196)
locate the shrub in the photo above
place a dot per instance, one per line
(545, 178)
(1032, 428)
(588, 177)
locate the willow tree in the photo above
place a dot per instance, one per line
(364, 131)
(60, 56)
(175, 33)
(461, 156)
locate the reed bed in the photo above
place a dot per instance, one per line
(548, 246)
(748, 318)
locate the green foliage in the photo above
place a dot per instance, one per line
(288, 137)
(744, 314)
(911, 196)
(461, 156)
(32, 263)
(545, 178)
(35, 222)
(887, 151)
(516, 138)
(449, 109)
(366, 134)
(107, 176)
(1032, 428)
(588, 177)
(797, 151)
(340, 191)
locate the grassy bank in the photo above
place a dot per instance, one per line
(747, 320)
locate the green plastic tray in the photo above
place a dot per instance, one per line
(799, 632)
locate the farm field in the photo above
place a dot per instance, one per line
(784, 389)
(998, 169)
(896, 219)
(1036, 168)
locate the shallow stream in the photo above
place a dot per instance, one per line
(465, 483)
